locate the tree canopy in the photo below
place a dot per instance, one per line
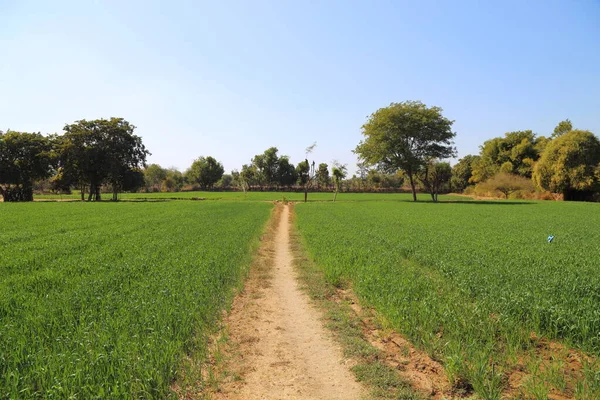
(24, 157)
(570, 165)
(515, 153)
(266, 166)
(101, 152)
(562, 128)
(462, 172)
(404, 136)
(205, 171)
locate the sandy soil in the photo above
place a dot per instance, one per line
(282, 350)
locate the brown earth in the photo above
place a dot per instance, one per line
(281, 349)
(425, 375)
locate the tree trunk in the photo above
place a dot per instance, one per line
(115, 194)
(412, 185)
(334, 195)
(82, 190)
(305, 194)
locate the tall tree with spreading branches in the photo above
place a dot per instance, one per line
(403, 136)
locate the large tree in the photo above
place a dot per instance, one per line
(570, 165)
(286, 173)
(102, 151)
(266, 165)
(205, 171)
(403, 136)
(24, 157)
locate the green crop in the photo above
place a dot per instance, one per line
(473, 283)
(103, 300)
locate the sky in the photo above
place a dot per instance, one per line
(230, 79)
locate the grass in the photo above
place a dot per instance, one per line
(470, 281)
(105, 300)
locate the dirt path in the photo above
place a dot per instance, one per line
(282, 351)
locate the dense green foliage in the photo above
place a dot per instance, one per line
(100, 152)
(24, 157)
(405, 136)
(515, 153)
(102, 300)
(469, 281)
(570, 165)
(205, 172)
(462, 172)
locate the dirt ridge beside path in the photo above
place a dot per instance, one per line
(280, 348)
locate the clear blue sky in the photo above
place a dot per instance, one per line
(232, 78)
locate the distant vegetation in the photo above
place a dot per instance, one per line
(567, 163)
(403, 149)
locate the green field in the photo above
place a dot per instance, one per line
(103, 300)
(475, 284)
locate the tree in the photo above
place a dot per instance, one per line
(562, 128)
(305, 171)
(248, 177)
(515, 153)
(99, 152)
(404, 136)
(133, 180)
(225, 181)
(570, 165)
(338, 173)
(24, 158)
(323, 175)
(363, 170)
(154, 176)
(434, 176)
(205, 171)
(266, 165)
(286, 173)
(462, 172)
(507, 183)
(174, 180)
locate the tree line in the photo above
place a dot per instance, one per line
(403, 144)
(567, 163)
(87, 156)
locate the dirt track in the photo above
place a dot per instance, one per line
(282, 351)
